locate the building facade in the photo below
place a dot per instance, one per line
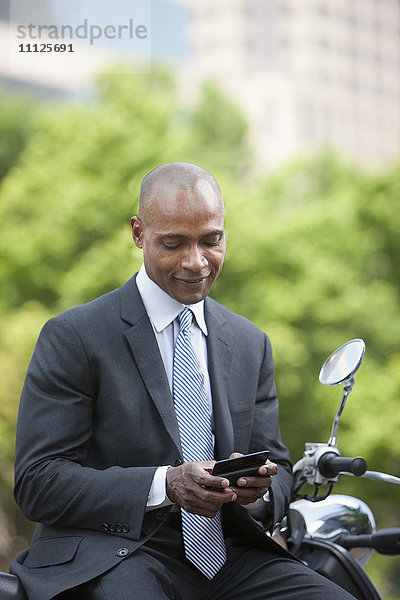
(307, 75)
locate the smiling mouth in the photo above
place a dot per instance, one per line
(192, 281)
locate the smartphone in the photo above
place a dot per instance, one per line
(233, 468)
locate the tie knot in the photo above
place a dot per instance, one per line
(185, 319)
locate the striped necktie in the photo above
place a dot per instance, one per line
(203, 538)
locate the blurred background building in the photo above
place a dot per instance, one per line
(307, 75)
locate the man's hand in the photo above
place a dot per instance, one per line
(250, 489)
(189, 486)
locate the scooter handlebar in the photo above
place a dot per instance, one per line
(330, 465)
(384, 541)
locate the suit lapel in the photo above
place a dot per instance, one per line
(142, 341)
(219, 350)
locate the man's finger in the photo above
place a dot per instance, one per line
(235, 455)
(254, 482)
(207, 503)
(269, 468)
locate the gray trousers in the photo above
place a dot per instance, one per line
(160, 571)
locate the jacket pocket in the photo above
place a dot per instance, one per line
(46, 552)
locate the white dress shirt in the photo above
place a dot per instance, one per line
(163, 311)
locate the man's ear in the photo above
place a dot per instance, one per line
(137, 231)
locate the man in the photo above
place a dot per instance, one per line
(127, 403)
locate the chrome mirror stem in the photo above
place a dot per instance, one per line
(348, 386)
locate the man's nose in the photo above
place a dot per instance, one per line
(194, 259)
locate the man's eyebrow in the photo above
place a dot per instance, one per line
(172, 236)
(218, 232)
(181, 236)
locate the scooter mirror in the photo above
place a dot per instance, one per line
(343, 363)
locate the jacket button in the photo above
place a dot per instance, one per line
(111, 527)
(125, 528)
(118, 528)
(105, 526)
(178, 462)
(122, 552)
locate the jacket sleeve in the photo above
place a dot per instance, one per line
(266, 434)
(53, 484)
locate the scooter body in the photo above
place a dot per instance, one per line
(336, 563)
(316, 530)
(336, 537)
(11, 588)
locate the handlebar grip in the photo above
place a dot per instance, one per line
(330, 465)
(384, 541)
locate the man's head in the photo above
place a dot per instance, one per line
(180, 228)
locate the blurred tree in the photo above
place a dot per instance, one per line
(66, 209)
(219, 132)
(16, 127)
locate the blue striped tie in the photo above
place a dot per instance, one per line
(203, 538)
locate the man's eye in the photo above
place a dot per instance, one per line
(171, 246)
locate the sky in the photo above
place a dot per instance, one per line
(169, 22)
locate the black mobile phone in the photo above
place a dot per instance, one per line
(233, 468)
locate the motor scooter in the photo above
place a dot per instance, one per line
(333, 534)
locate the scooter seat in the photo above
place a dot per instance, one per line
(11, 588)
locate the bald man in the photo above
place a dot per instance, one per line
(128, 401)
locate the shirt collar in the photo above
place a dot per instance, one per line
(161, 308)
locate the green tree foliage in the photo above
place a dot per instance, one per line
(312, 255)
(65, 210)
(217, 135)
(16, 127)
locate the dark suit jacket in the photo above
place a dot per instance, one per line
(97, 418)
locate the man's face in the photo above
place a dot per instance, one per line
(183, 241)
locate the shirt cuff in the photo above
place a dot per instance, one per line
(157, 497)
